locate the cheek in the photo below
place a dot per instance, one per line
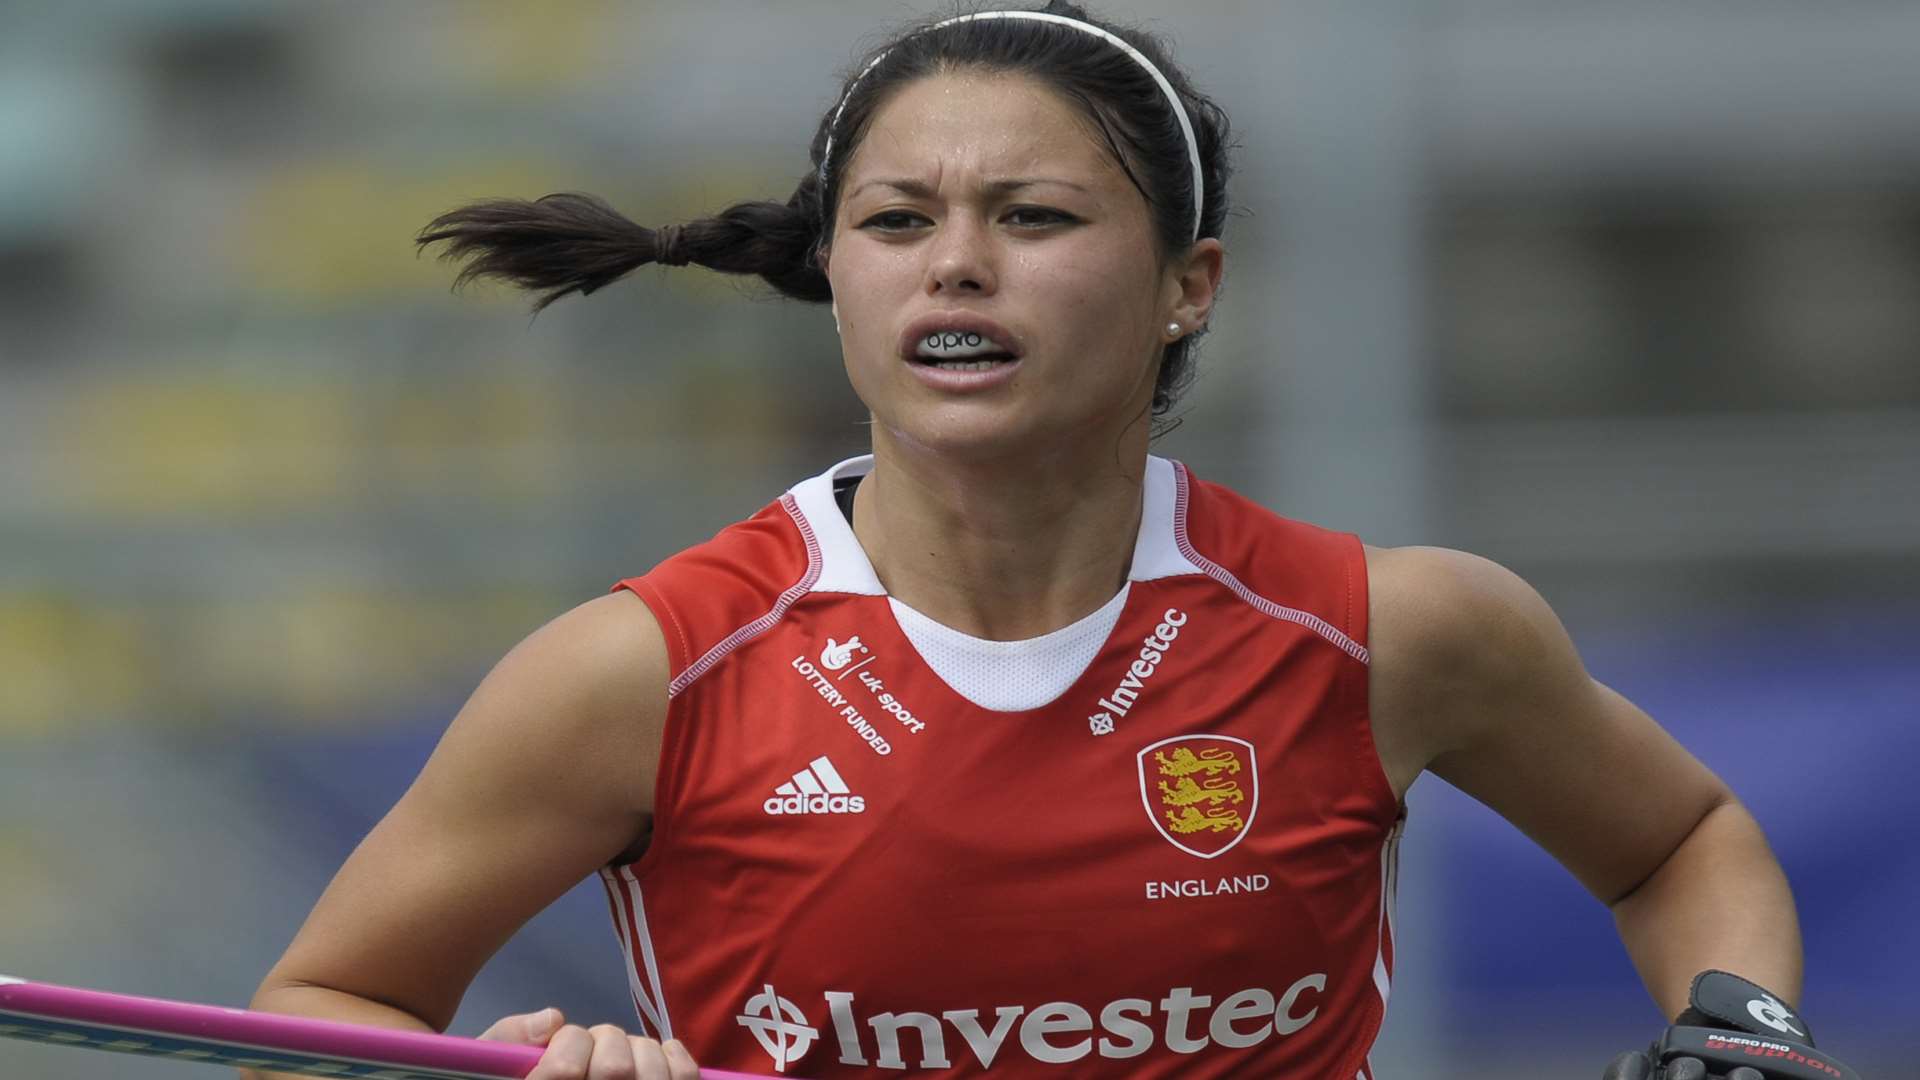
(866, 293)
(1104, 299)
(867, 349)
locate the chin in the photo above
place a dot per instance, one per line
(971, 433)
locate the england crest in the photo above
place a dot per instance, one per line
(1200, 791)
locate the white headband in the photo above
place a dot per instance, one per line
(1179, 110)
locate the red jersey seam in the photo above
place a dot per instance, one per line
(765, 622)
(662, 612)
(1347, 565)
(1221, 574)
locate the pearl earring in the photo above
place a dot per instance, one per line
(1173, 328)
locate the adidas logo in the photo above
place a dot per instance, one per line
(816, 789)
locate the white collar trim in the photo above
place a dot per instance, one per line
(843, 562)
(846, 569)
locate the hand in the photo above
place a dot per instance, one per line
(1635, 1065)
(1731, 1030)
(1640, 1065)
(602, 1052)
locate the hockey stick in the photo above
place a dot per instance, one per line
(65, 1016)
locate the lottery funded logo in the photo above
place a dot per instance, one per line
(838, 655)
(778, 1026)
(834, 678)
(1200, 791)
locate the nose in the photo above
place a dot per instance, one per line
(960, 258)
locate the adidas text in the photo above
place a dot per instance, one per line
(816, 789)
(815, 804)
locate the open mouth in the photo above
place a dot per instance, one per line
(960, 350)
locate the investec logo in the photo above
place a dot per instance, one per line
(1119, 701)
(1056, 1033)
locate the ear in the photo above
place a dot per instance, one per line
(1193, 282)
(820, 260)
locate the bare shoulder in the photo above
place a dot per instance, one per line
(587, 691)
(1474, 679)
(1446, 630)
(1439, 608)
(544, 776)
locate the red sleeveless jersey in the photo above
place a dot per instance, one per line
(1181, 865)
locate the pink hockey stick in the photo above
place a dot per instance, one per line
(66, 1016)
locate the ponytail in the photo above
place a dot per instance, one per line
(571, 242)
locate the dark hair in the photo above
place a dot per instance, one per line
(570, 242)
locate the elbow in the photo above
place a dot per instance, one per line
(1721, 805)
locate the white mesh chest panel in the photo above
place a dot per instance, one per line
(1005, 676)
(1008, 676)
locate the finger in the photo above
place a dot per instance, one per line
(613, 1057)
(1632, 1065)
(568, 1055)
(1686, 1068)
(527, 1029)
(1745, 1073)
(680, 1064)
(650, 1063)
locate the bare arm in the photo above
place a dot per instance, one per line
(1676, 923)
(545, 776)
(1475, 680)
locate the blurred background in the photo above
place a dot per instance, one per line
(1623, 295)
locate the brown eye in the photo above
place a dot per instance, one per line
(1043, 215)
(895, 216)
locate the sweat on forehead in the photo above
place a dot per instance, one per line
(996, 131)
(1002, 51)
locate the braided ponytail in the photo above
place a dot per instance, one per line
(571, 242)
(575, 243)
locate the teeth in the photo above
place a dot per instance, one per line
(957, 345)
(967, 365)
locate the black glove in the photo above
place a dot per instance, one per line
(1733, 1030)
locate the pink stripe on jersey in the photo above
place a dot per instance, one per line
(653, 991)
(623, 926)
(1389, 888)
(619, 924)
(765, 622)
(1259, 603)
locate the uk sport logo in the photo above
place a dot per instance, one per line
(816, 789)
(837, 655)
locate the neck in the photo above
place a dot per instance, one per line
(1003, 550)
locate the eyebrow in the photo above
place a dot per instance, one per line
(919, 189)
